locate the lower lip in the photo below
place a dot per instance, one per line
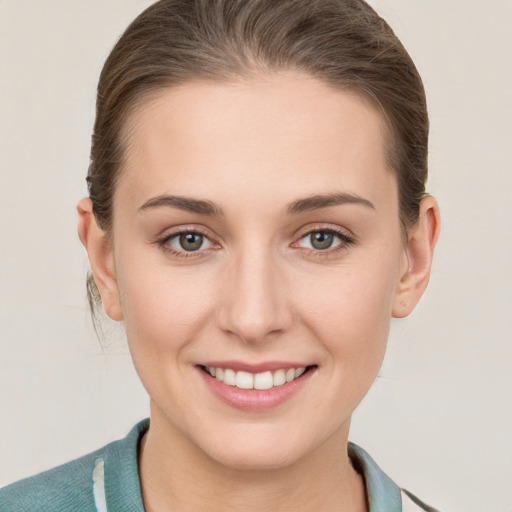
(255, 399)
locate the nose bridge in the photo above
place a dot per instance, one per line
(255, 303)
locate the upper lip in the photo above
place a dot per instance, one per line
(255, 367)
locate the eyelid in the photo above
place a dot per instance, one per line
(169, 231)
(335, 229)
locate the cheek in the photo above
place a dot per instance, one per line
(349, 308)
(164, 311)
(163, 307)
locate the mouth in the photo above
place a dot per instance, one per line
(263, 380)
(255, 388)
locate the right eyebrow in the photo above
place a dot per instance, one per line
(188, 204)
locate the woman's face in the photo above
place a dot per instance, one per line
(256, 229)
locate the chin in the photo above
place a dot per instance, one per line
(259, 447)
(257, 459)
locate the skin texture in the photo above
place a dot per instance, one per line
(256, 291)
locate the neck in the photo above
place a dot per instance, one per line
(176, 475)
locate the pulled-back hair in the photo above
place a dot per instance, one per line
(343, 43)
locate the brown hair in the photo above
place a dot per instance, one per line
(341, 42)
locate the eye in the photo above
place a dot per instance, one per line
(190, 241)
(324, 239)
(320, 240)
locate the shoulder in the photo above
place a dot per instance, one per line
(66, 487)
(73, 486)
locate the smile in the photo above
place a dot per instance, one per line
(262, 380)
(265, 387)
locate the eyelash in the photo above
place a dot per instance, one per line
(345, 242)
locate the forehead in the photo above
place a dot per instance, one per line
(275, 137)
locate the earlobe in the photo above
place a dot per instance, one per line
(101, 259)
(418, 254)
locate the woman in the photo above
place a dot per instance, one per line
(257, 215)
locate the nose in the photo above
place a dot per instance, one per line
(254, 304)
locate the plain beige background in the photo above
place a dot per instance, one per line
(438, 420)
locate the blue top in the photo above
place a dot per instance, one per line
(107, 480)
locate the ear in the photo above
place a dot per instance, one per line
(101, 259)
(419, 250)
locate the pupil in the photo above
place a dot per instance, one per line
(321, 240)
(191, 241)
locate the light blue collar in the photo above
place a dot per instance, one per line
(382, 493)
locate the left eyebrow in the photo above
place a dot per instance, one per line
(318, 202)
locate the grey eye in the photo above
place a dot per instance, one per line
(324, 239)
(191, 241)
(184, 242)
(321, 240)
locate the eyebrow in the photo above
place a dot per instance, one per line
(204, 207)
(318, 202)
(183, 203)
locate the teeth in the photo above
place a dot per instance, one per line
(244, 380)
(264, 380)
(230, 377)
(279, 378)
